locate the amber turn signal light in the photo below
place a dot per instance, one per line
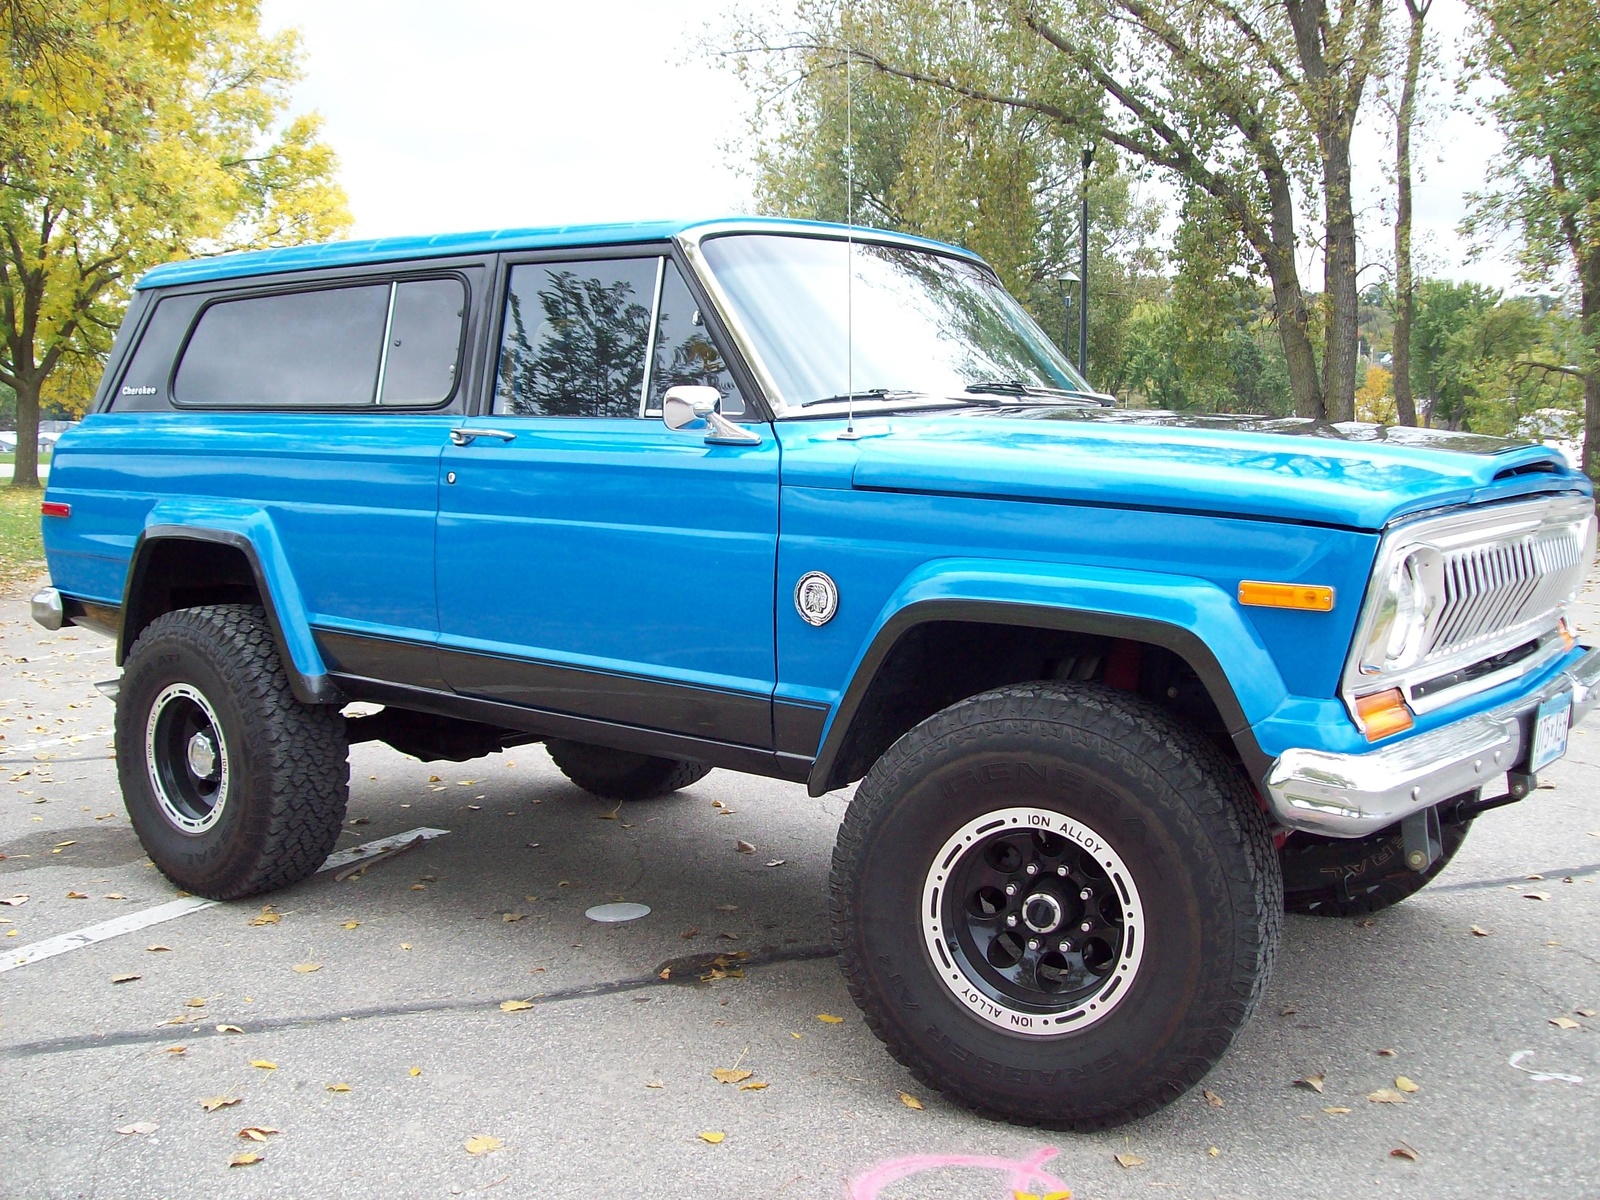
(1383, 713)
(1305, 597)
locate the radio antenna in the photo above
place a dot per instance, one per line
(849, 236)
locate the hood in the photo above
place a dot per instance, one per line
(1290, 469)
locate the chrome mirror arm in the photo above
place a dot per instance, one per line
(685, 404)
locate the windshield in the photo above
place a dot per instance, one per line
(923, 322)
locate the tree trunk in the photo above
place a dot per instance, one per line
(1589, 307)
(1294, 331)
(1405, 300)
(1339, 281)
(25, 474)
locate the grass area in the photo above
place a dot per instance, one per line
(21, 552)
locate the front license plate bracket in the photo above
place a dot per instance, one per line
(1552, 722)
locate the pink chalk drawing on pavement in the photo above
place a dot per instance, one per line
(1024, 1176)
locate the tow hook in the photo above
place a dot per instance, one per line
(1419, 836)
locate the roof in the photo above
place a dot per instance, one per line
(442, 245)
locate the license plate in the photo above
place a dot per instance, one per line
(1550, 731)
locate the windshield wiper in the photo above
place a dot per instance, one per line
(877, 393)
(1016, 387)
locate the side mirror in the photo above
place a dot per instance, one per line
(684, 404)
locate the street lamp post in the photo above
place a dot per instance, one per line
(1083, 269)
(1067, 281)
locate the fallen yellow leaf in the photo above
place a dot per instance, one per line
(266, 917)
(1404, 1084)
(744, 847)
(244, 1160)
(337, 1087)
(1386, 1096)
(157, 948)
(515, 1005)
(350, 925)
(1212, 1098)
(1336, 1111)
(1129, 1160)
(177, 1049)
(1564, 1023)
(910, 1101)
(195, 1002)
(1479, 931)
(263, 1064)
(1214, 1152)
(712, 1136)
(510, 916)
(1404, 1151)
(229, 1029)
(414, 1072)
(258, 1133)
(212, 1103)
(306, 968)
(1314, 1082)
(482, 1143)
(125, 978)
(829, 1018)
(730, 1074)
(1585, 1012)
(654, 1083)
(113, 896)
(77, 895)
(755, 1085)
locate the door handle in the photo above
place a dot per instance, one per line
(465, 437)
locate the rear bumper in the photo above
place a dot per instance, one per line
(48, 610)
(1351, 795)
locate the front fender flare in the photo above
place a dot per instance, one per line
(1194, 618)
(251, 533)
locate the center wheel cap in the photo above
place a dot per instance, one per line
(202, 756)
(1042, 913)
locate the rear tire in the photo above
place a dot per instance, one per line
(620, 774)
(233, 786)
(977, 835)
(1350, 877)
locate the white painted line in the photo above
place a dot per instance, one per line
(71, 740)
(143, 919)
(130, 923)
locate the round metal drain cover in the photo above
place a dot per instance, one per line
(610, 914)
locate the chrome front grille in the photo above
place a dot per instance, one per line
(1501, 586)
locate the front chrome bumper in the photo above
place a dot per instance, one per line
(1351, 795)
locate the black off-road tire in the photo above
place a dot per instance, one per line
(1350, 877)
(621, 774)
(284, 765)
(1189, 833)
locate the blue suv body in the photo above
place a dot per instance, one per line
(824, 505)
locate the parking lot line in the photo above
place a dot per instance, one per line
(183, 906)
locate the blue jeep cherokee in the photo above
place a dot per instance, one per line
(1119, 687)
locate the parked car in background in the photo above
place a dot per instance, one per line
(1114, 688)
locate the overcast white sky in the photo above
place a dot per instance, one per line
(489, 113)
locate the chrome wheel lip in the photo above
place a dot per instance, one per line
(1000, 1012)
(170, 806)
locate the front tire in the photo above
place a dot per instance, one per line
(1056, 904)
(232, 785)
(1350, 877)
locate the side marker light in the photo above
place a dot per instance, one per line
(54, 508)
(1307, 598)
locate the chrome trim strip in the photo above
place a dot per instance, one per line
(1351, 795)
(383, 354)
(47, 609)
(650, 341)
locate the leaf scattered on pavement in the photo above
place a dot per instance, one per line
(350, 925)
(1335, 1110)
(776, 862)
(713, 1136)
(1536, 895)
(263, 1064)
(1129, 1160)
(77, 895)
(1386, 1096)
(1386, 1053)
(1314, 1082)
(157, 948)
(755, 1085)
(1564, 1023)
(177, 1049)
(730, 1074)
(910, 1101)
(1212, 1098)
(1213, 1152)
(212, 1103)
(1404, 1151)
(138, 1127)
(306, 968)
(245, 1159)
(1405, 1085)
(229, 1029)
(1480, 931)
(266, 916)
(113, 896)
(515, 1005)
(258, 1133)
(744, 847)
(125, 978)
(511, 916)
(414, 1072)
(654, 1083)
(829, 1018)
(482, 1143)
(337, 1087)
(13, 901)
(1586, 1012)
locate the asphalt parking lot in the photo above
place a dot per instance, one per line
(382, 1023)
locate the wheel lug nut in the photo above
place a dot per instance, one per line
(1033, 943)
(1012, 919)
(1064, 946)
(1062, 871)
(1086, 926)
(1033, 868)
(1085, 893)
(1011, 889)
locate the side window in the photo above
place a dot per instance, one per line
(295, 349)
(684, 352)
(144, 383)
(575, 337)
(424, 341)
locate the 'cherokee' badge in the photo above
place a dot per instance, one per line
(816, 597)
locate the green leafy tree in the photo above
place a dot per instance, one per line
(1545, 57)
(136, 133)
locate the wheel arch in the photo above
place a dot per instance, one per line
(179, 565)
(839, 755)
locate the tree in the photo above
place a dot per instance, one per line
(1252, 106)
(136, 133)
(1545, 57)
(1404, 286)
